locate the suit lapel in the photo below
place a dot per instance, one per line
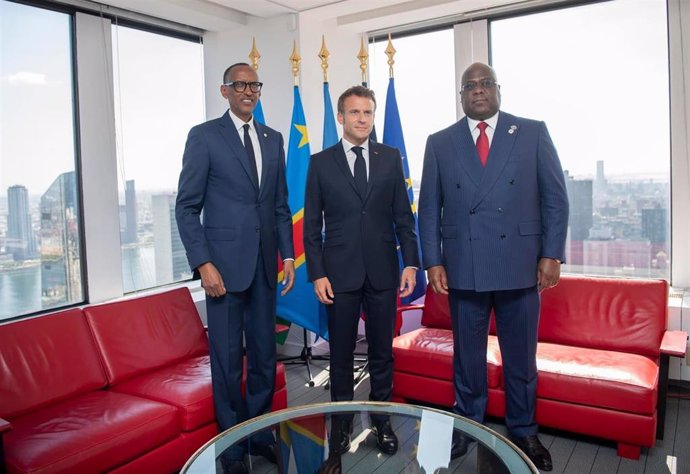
(341, 161)
(501, 145)
(263, 138)
(232, 138)
(469, 159)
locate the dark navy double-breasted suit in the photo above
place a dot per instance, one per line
(489, 226)
(244, 229)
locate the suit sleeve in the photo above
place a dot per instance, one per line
(283, 214)
(404, 219)
(313, 223)
(191, 191)
(430, 207)
(554, 198)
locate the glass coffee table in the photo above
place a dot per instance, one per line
(424, 434)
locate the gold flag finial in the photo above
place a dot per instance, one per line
(324, 55)
(390, 52)
(295, 59)
(254, 55)
(363, 57)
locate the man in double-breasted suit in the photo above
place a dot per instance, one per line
(234, 170)
(493, 218)
(357, 189)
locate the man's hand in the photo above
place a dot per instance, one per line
(288, 276)
(323, 290)
(408, 281)
(548, 273)
(211, 280)
(437, 278)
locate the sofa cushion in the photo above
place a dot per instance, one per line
(185, 385)
(429, 351)
(146, 333)
(46, 359)
(93, 432)
(605, 313)
(607, 379)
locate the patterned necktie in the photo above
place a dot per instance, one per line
(483, 143)
(360, 172)
(250, 153)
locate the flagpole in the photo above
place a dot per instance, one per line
(390, 52)
(295, 59)
(254, 58)
(323, 55)
(363, 57)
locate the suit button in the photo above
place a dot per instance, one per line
(472, 211)
(257, 228)
(458, 185)
(503, 236)
(512, 181)
(500, 209)
(364, 212)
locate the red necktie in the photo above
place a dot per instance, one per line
(483, 143)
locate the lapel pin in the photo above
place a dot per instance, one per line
(512, 129)
(265, 135)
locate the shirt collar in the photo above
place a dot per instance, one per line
(347, 146)
(239, 123)
(491, 122)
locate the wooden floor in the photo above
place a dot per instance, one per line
(571, 454)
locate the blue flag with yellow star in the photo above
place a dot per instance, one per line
(300, 305)
(393, 136)
(259, 113)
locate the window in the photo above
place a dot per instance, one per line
(425, 94)
(159, 96)
(40, 237)
(598, 76)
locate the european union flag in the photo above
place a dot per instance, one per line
(393, 136)
(300, 305)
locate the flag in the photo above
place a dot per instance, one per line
(393, 136)
(330, 132)
(306, 438)
(300, 305)
(259, 113)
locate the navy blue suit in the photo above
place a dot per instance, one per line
(243, 230)
(489, 226)
(358, 255)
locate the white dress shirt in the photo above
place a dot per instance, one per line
(491, 122)
(351, 157)
(239, 125)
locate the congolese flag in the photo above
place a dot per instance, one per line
(393, 136)
(300, 305)
(306, 438)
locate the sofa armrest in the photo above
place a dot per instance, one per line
(401, 309)
(674, 343)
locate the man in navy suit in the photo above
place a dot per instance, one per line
(234, 170)
(357, 188)
(493, 219)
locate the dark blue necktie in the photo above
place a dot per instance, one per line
(360, 171)
(250, 153)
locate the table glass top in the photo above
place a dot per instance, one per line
(303, 435)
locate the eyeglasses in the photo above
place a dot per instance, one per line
(485, 84)
(241, 86)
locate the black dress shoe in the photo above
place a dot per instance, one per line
(339, 442)
(386, 440)
(532, 447)
(266, 451)
(234, 466)
(461, 443)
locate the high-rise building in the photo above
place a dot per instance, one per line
(130, 234)
(60, 249)
(654, 225)
(171, 258)
(580, 220)
(20, 241)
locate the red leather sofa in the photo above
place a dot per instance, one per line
(119, 387)
(602, 359)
